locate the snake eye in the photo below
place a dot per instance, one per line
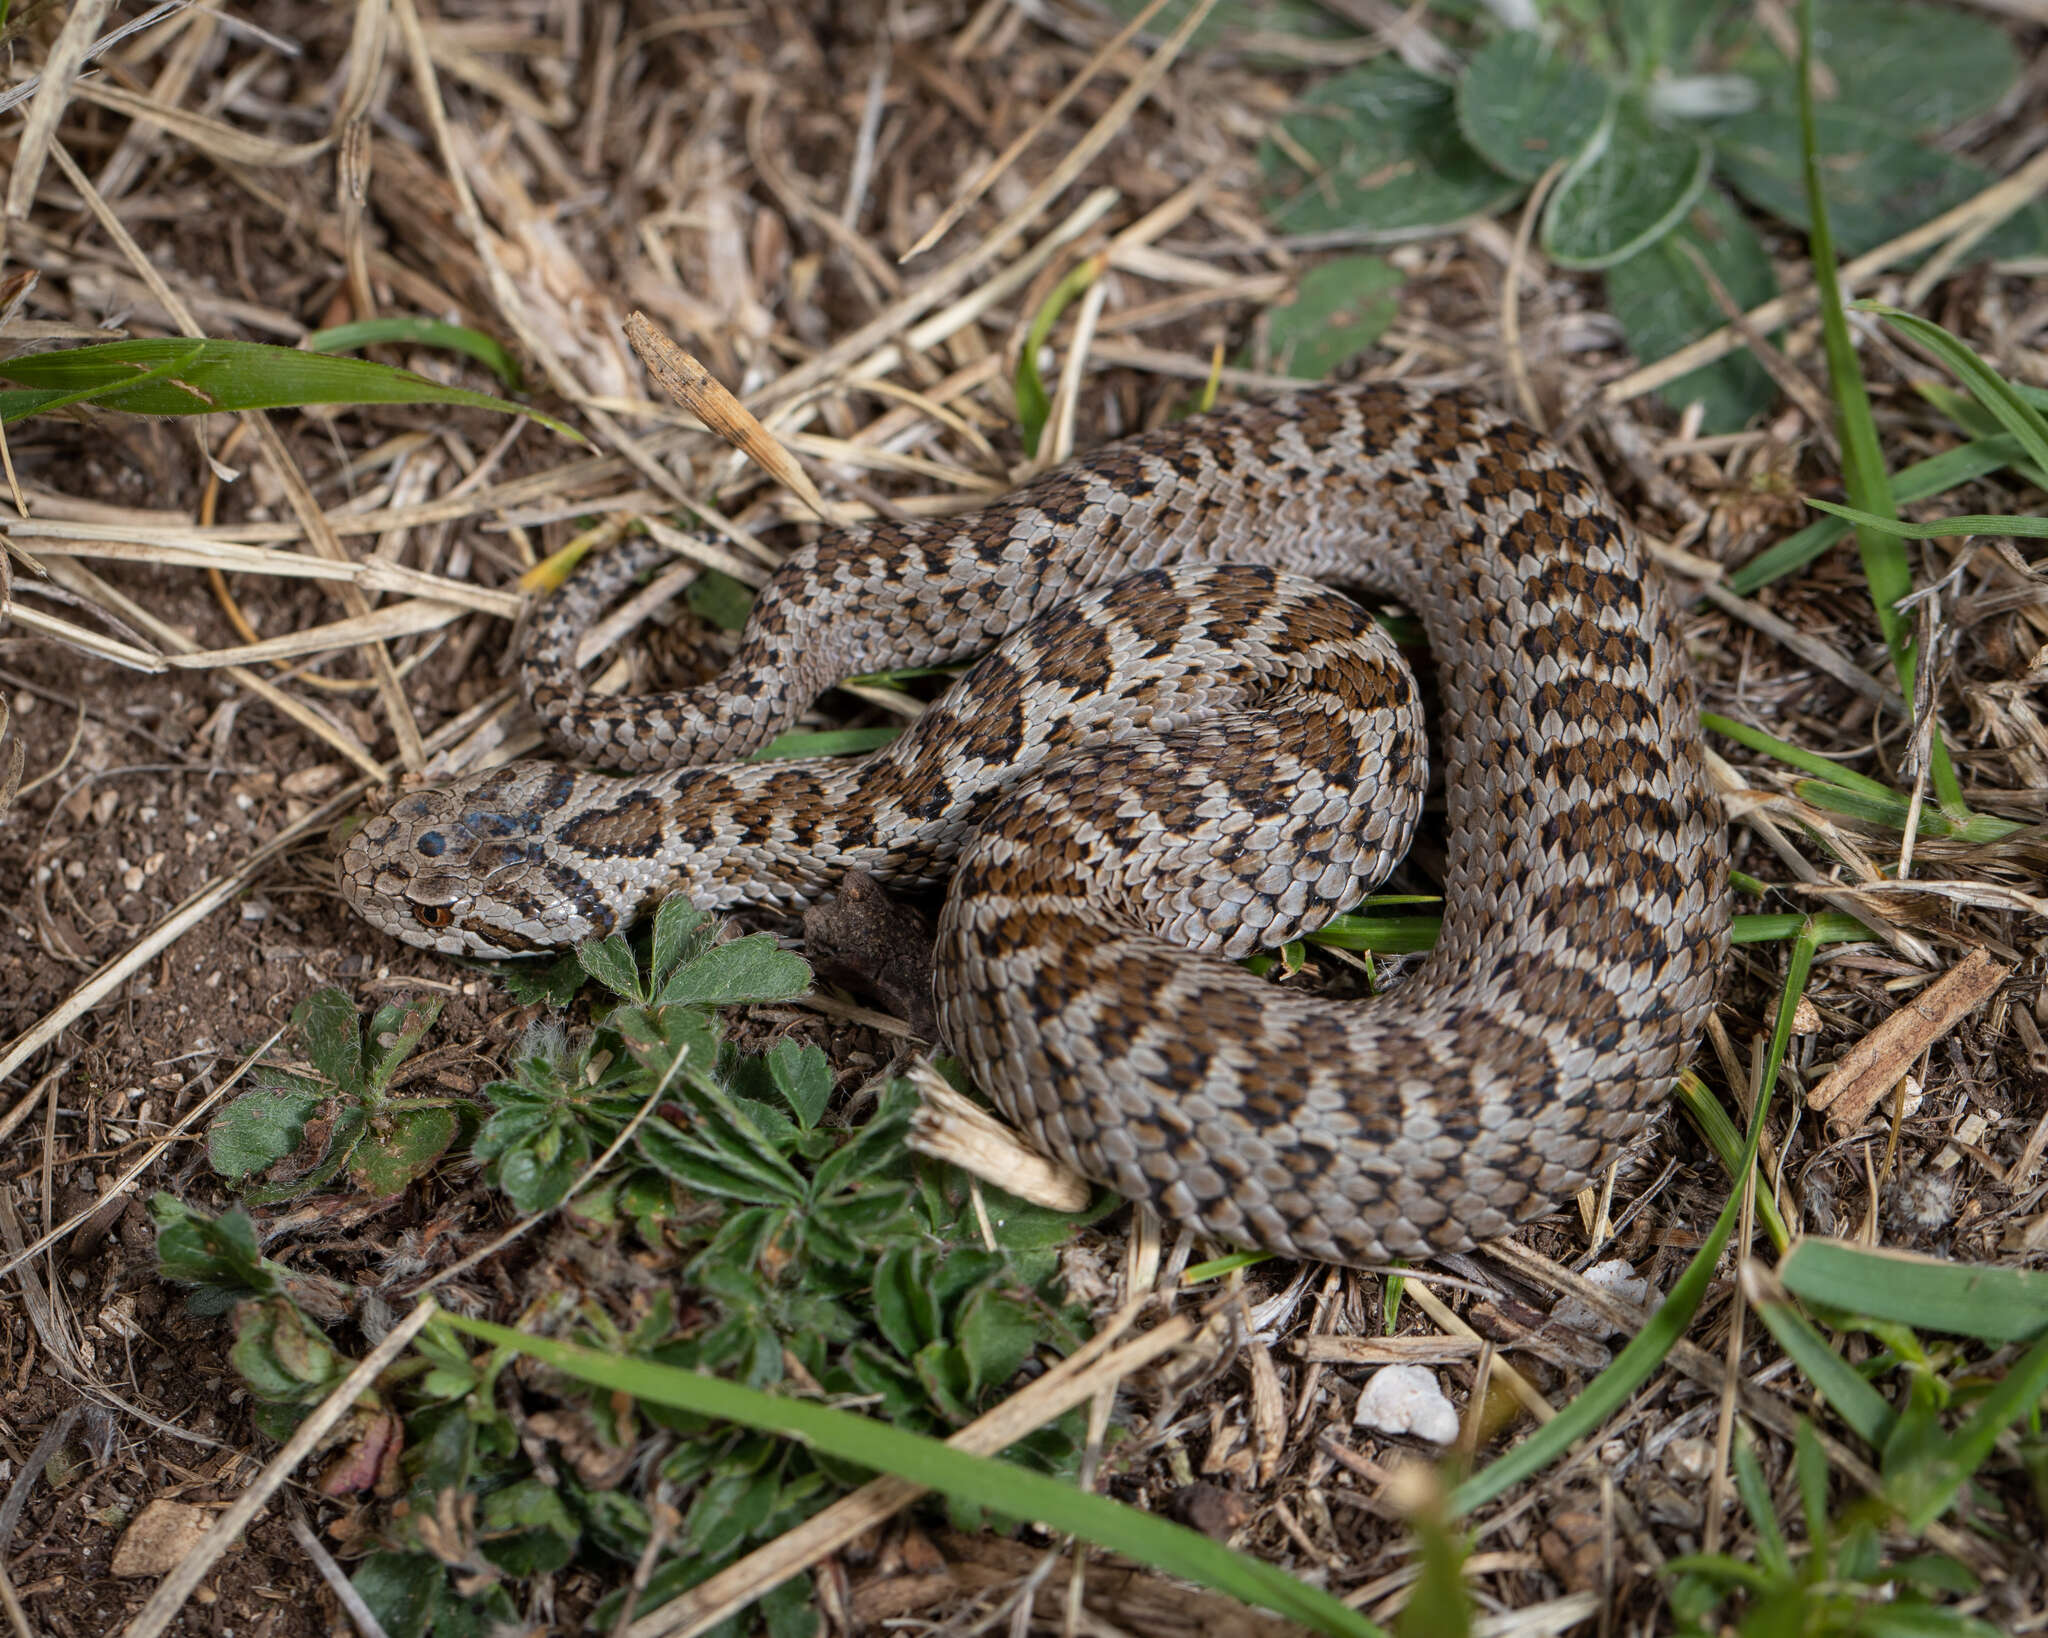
(432, 844)
(433, 915)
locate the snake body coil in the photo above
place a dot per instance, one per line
(1238, 716)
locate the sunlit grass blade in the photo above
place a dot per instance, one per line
(1854, 1400)
(1837, 789)
(1923, 480)
(1034, 403)
(229, 375)
(1633, 1366)
(412, 331)
(1382, 935)
(985, 1481)
(1939, 528)
(1967, 1299)
(14, 405)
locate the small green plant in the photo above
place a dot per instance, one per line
(1841, 1584)
(281, 1352)
(1656, 114)
(341, 1124)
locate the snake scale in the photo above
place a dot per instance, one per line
(1235, 719)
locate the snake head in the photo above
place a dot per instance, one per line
(465, 868)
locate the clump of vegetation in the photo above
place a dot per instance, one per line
(803, 1248)
(1840, 1584)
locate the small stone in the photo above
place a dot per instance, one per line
(1218, 1513)
(162, 1534)
(1405, 1399)
(1618, 1279)
(317, 780)
(1690, 1459)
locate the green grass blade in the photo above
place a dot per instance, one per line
(1853, 1399)
(1633, 1366)
(1794, 756)
(1382, 935)
(1413, 935)
(1923, 480)
(234, 375)
(1940, 528)
(1966, 1299)
(1034, 403)
(1705, 1112)
(1771, 1550)
(824, 742)
(42, 402)
(1886, 567)
(2015, 413)
(1829, 927)
(1439, 1606)
(1891, 811)
(1170, 1548)
(412, 331)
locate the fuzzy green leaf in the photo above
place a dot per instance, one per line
(1389, 160)
(1664, 301)
(610, 961)
(1523, 105)
(678, 926)
(525, 1529)
(1919, 67)
(1630, 187)
(394, 1032)
(746, 969)
(1340, 308)
(803, 1077)
(400, 1145)
(327, 1021)
(260, 1128)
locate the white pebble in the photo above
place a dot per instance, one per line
(1406, 1399)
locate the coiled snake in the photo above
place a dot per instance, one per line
(1237, 715)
